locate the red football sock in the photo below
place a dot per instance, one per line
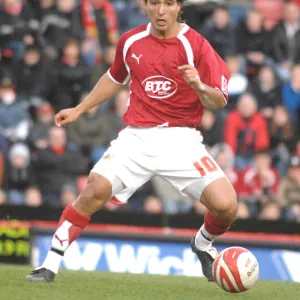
(69, 228)
(214, 226)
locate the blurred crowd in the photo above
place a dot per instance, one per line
(52, 52)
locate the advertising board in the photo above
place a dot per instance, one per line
(158, 257)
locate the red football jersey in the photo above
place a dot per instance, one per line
(158, 93)
(252, 184)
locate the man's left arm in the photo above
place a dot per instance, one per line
(212, 98)
(208, 75)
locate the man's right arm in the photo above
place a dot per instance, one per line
(104, 90)
(108, 85)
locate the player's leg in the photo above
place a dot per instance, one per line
(119, 172)
(191, 169)
(74, 219)
(220, 199)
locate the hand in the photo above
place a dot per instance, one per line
(191, 76)
(66, 116)
(256, 57)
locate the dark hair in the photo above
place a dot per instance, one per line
(222, 7)
(71, 41)
(32, 48)
(179, 17)
(181, 2)
(262, 152)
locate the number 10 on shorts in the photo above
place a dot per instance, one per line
(205, 165)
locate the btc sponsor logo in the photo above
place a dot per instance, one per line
(159, 87)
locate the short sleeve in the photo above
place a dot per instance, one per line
(118, 72)
(212, 69)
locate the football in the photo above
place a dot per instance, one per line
(236, 269)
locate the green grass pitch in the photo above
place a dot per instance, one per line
(82, 285)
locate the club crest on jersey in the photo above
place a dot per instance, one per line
(159, 87)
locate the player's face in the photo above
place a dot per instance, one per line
(162, 14)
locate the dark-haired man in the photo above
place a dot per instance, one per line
(174, 74)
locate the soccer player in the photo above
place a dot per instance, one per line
(173, 75)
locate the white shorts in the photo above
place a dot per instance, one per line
(175, 153)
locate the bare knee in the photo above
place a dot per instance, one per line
(96, 193)
(228, 211)
(220, 198)
(228, 204)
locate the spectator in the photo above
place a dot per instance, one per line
(270, 211)
(2, 197)
(19, 174)
(286, 41)
(70, 77)
(253, 48)
(119, 106)
(14, 118)
(197, 12)
(238, 82)
(291, 94)
(62, 22)
(289, 190)
(39, 133)
(272, 11)
(282, 138)
(2, 163)
(132, 15)
(68, 194)
(18, 28)
(57, 166)
(211, 128)
(40, 7)
(153, 205)
(99, 70)
(243, 211)
(259, 183)
(224, 157)
(101, 26)
(246, 131)
(33, 197)
(106, 22)
(267, 90)
(30, 75)
(219, 32)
